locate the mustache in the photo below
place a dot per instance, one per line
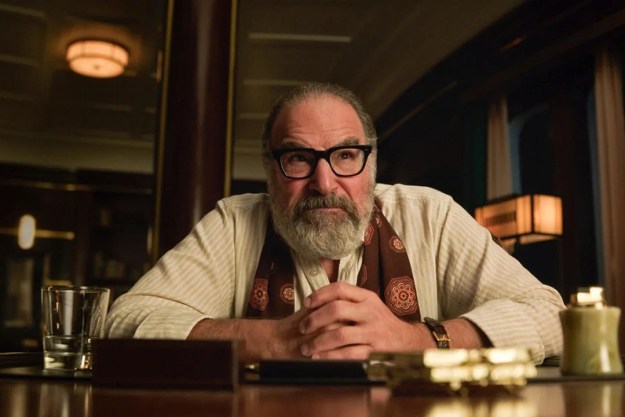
(321, 202)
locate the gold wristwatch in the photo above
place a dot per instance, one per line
(439, 332)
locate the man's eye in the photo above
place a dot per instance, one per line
(347, 154)
(295, 158)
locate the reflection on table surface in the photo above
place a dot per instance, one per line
(23, 397)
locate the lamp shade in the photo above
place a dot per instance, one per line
(98, 59)
(527, 218)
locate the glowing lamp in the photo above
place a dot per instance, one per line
(524, 219)
(26, 231)
(97, 59)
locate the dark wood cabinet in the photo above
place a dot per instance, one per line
(94, 229)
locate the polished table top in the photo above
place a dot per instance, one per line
(43, 397)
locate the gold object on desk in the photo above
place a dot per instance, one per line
(455, 370)
(590, 335)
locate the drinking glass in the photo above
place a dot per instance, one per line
(72, 317)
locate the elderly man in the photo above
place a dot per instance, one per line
(330, 265)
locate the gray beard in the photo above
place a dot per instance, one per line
(318, 234)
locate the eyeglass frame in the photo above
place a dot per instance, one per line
(277, 154)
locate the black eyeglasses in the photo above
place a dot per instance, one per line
(300, 163)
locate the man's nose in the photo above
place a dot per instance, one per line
(323, 179)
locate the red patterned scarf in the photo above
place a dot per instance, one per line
(385, 265)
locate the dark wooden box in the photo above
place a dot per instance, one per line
(158, 363)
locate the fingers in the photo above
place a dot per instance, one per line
(331, 340)
(335, 313)
(346, 352)
(336, 291)
(345, 321)
(339, 303)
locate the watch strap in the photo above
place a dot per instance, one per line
(439, 332)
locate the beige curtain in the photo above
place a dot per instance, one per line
(499, 171)
(611, 154)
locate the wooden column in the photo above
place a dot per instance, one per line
(191, 157)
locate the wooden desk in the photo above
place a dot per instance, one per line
(32, 397)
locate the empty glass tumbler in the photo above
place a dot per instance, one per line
(72, 317)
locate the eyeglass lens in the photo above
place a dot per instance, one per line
(301, 163)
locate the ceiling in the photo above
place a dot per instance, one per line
(52, 117)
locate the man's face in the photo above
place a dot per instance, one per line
(324, 215)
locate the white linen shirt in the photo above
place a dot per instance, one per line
(458, 271)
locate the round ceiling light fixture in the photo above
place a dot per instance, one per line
(99, 59)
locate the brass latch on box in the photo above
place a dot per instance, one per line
(453, 370)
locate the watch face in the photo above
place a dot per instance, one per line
(442, 344)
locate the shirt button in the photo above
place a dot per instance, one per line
(314, 272)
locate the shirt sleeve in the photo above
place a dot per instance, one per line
(193, 281)
(480, 281)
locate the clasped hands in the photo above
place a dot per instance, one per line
(342, 321)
